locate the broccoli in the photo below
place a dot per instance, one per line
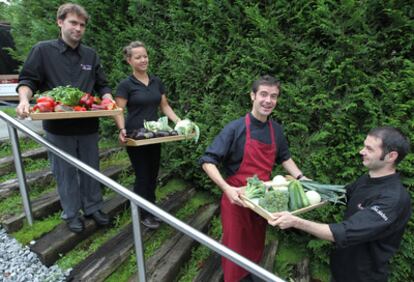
(275, 201)
(255, 188)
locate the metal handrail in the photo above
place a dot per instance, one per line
(136, 201)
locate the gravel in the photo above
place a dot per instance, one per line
(18, 263)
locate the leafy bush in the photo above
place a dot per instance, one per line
(346, 66)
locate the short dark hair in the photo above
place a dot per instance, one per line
(69, 8)
(265, 80)
(392, 140)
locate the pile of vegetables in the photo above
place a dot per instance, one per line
(275, 200)
(160, 128)
(67, 99)
(255, 188)
(282, 195)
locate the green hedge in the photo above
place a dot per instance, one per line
(346, 66)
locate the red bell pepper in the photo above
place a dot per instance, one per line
(86, 100)
(44, 107)
(42, 99)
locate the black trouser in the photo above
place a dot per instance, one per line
(145, 161)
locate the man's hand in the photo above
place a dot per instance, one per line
(283, 220)
(233, 194)
(23, 109)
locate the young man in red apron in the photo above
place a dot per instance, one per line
(247, 146)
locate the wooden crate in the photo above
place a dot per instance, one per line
(267, 215)
(74, 114)
(155, 140)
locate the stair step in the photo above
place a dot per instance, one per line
(211, 270)
(61, 240)
(48, 204)
(166, 263)
(42, 177)
(115, 251)
(7, 163)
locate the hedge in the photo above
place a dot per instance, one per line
(345, 67)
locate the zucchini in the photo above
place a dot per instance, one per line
(293, 202)
(302, 195)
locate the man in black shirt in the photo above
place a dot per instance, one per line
(378, 209)
(61, 62)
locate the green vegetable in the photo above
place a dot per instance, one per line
(160, 125)
(328, 192)
(66, 95)
(275, 201)
(255, 188)
(294, 203)
(187, 127)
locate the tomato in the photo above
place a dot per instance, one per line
(79, 109)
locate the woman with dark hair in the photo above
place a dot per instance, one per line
(142, 94)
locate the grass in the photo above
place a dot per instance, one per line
(26, 144)
(29, 233)
(10, 111)
(91, 244)
(129, 267)
(200, 254)
(29, 167)
(13, 204)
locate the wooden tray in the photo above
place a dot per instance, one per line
(74, 114)
(267, 215)
(155, 140)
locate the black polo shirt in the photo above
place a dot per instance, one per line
(228, 147)
(377, 213)
(53, 63)
(143, 100)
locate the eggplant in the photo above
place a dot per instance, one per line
(140, 136)
(173, 133)
(162, 133)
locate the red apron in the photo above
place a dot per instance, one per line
(243, 229)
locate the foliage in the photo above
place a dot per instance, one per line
(345, 67)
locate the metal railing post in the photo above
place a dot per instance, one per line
(21, 177)
(139, 249)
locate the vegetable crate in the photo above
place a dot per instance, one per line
(254, 206)
(74, 114)
(155, 140)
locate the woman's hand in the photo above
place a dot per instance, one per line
(122, 135)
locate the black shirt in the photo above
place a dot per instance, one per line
(53, 63)
(143, 101)
(378, 210)
(228, 147)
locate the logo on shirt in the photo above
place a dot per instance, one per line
(379, 212)
(86, 67)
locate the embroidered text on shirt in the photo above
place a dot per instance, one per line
(86, 67)
(379, 212)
